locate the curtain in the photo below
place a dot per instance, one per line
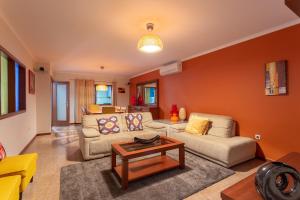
(85, 95)
(89, 92)
(79, 99)
(114, 86)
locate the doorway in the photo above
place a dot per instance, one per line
(60, 103)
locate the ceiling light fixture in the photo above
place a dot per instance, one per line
(150, 43)
(101, 88)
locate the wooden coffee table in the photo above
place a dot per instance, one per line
(130, 171)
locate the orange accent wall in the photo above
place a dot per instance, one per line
(230, 81)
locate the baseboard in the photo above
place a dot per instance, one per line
(39, 134)
(29, 143)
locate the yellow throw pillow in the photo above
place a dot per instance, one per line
(197, 125)
(94, 109)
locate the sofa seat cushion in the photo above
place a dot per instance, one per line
(229, 151)
(10, 187)
(155, 125)
(145, 134)
(103, 144)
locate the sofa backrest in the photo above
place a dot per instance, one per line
(147, 117)
(221, 125)
(90, 121)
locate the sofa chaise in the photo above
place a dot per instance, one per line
(220, 144)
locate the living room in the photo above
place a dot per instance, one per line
(117, 100)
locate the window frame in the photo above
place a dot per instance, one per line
(11, 85)
(112, 95)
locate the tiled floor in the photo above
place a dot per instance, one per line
(61, 149)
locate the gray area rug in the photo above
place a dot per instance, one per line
(93, 180)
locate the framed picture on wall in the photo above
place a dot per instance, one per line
(31, 82)
(276, 78)
(121, 90)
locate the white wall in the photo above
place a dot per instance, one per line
(17, 131)
(43, 102)
(122, 98)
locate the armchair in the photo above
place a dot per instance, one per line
(20, 165)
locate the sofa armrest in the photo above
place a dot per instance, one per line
(90, 132)
(155, 125)
(178, 127)
(18, 165)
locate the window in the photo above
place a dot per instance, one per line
(12, 85)
(104, 94)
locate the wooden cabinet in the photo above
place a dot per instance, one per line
(153, 110)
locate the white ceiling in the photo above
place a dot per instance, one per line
(81, 35)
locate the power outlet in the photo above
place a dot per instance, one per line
(257, 136)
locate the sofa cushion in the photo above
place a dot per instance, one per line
(103, 145)
(145, 134)
(134, 121)
(10, 187)
(90, 132)
(197, 125)
(147, 117)
(179, 127)
(108, 125)
(90, 121)
(221, 126)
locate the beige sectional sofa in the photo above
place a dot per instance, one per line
(95, 145)
(220, 145)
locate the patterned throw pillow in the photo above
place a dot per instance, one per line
(197, 125)
(134, 122)
(108, 125)
(2, 152)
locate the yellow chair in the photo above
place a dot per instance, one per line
(22, 165)
(10, 187)
(94, 109)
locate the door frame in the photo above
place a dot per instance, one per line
(55, 122)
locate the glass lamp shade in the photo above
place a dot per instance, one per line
(150, 43)
(101, 88)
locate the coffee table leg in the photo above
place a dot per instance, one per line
(181, 157)
(124, 174)
(113, 159)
